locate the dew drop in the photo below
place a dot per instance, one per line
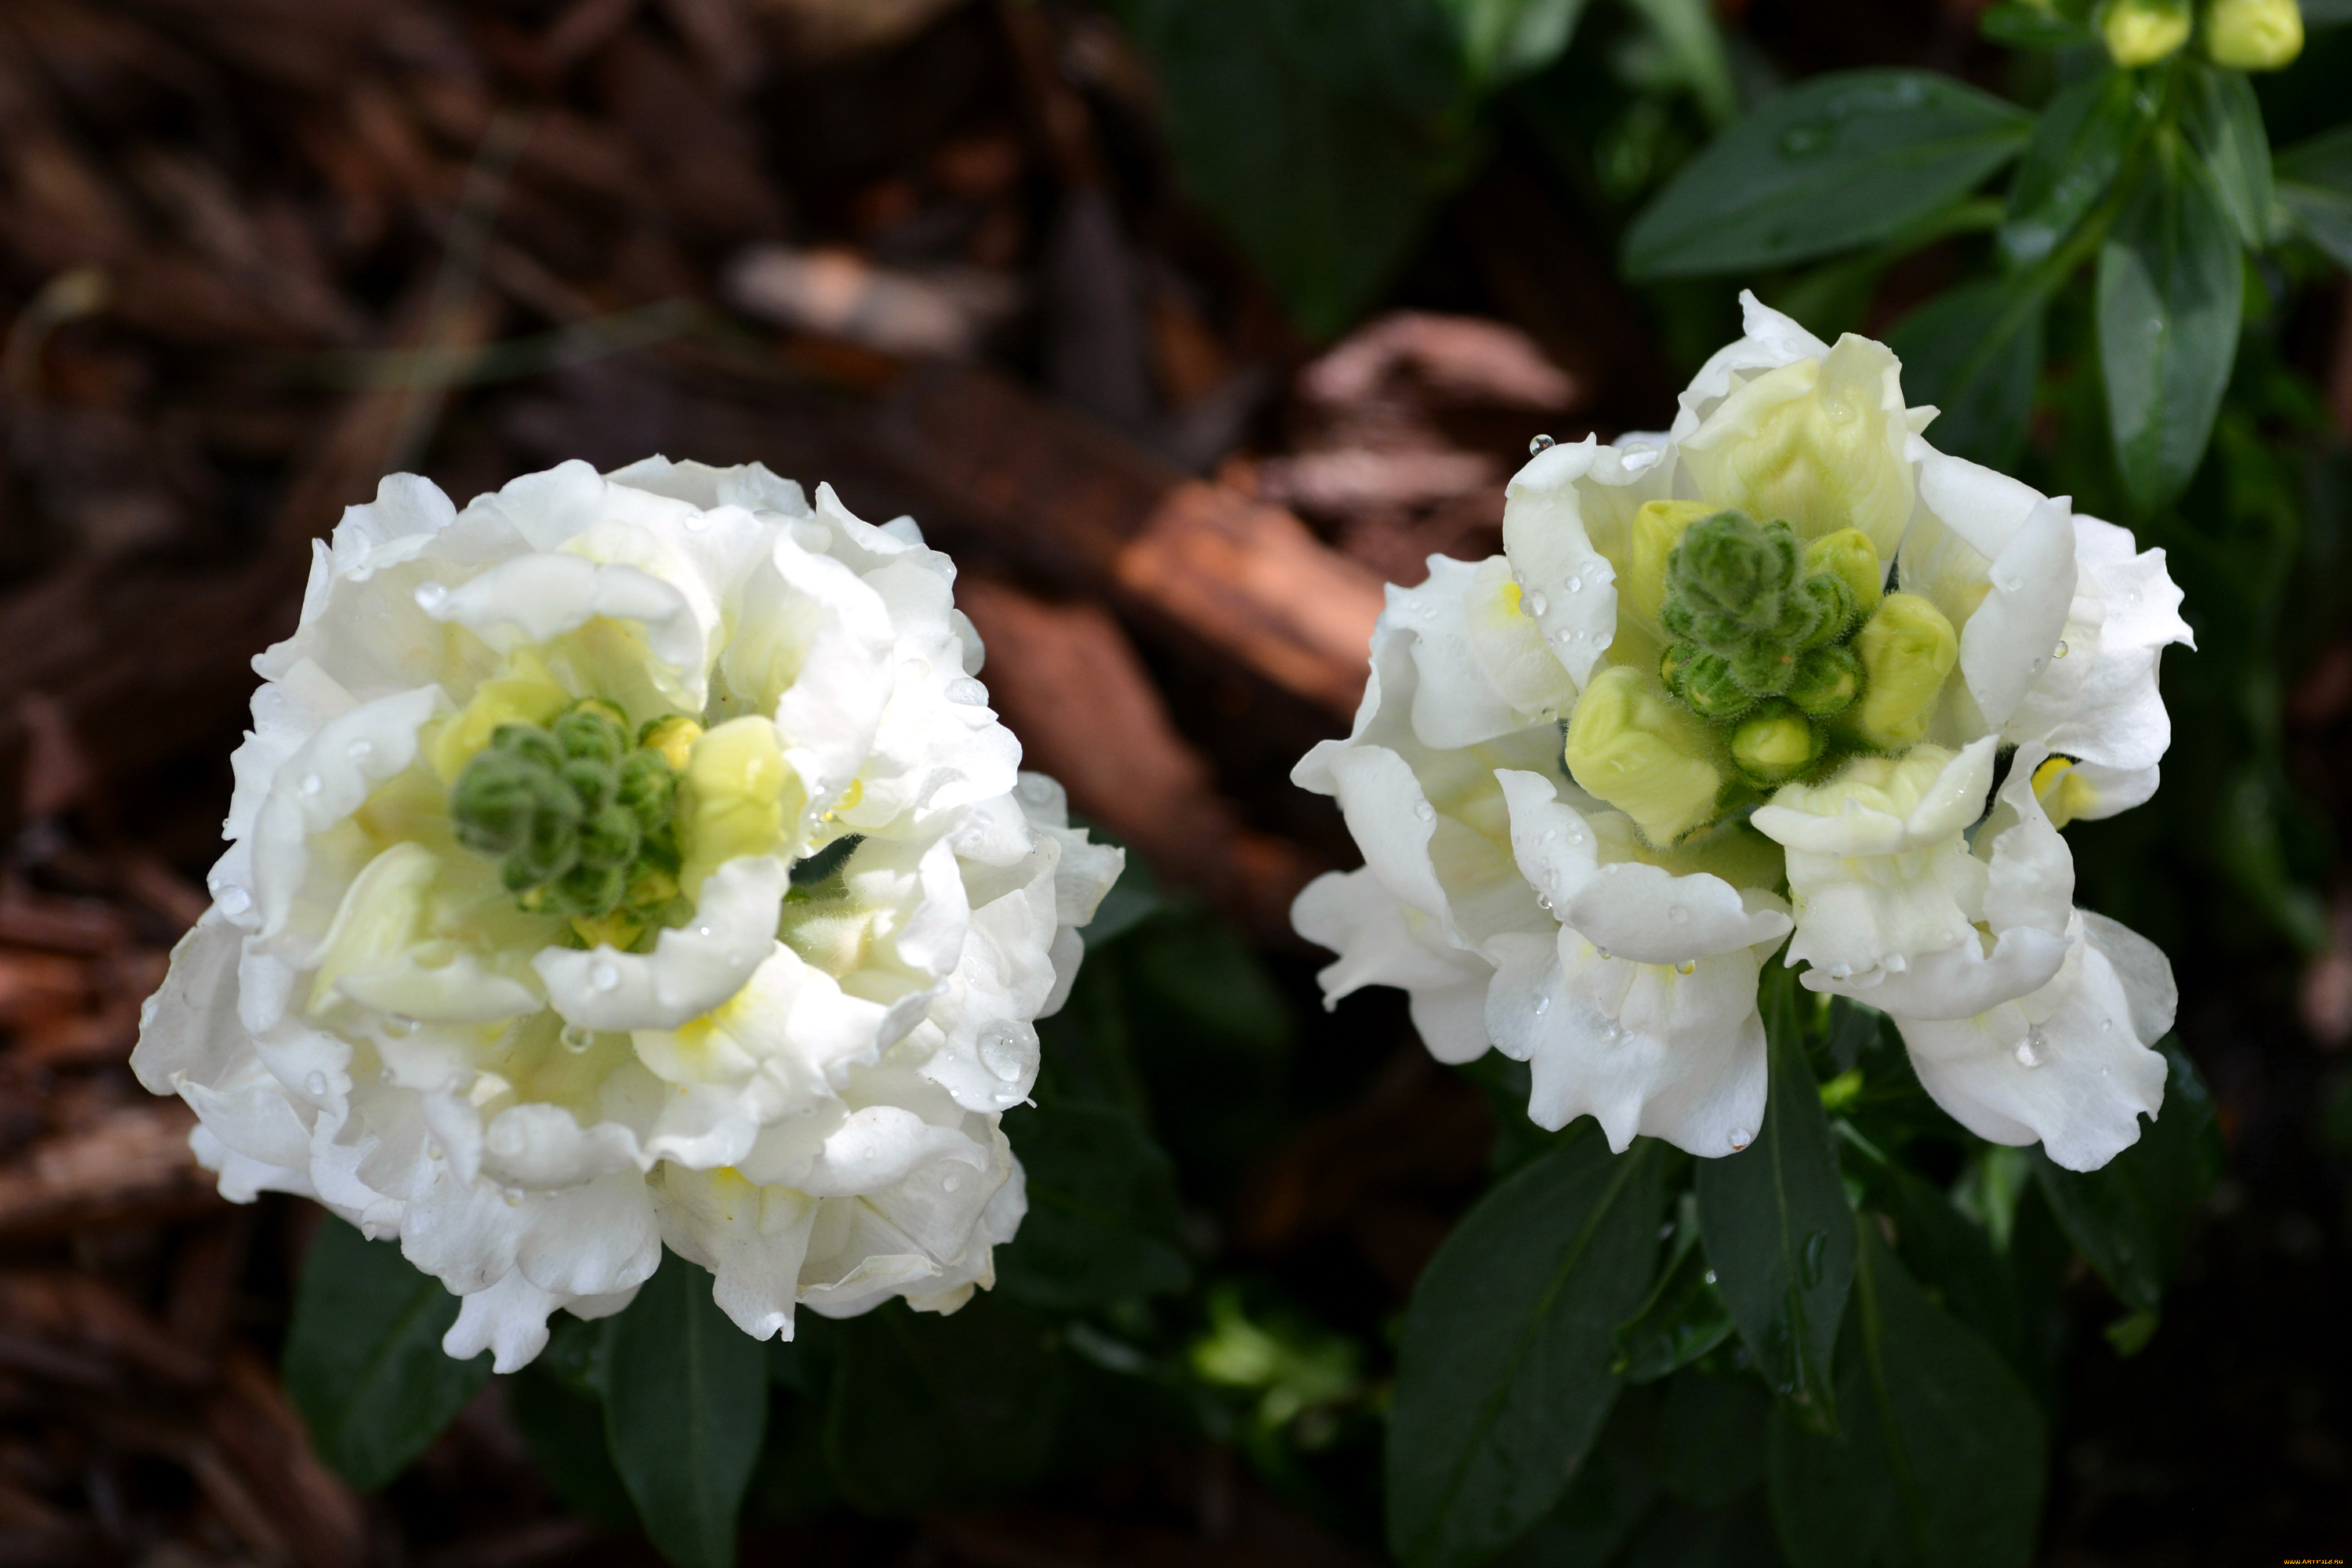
(429, 596)
(312, 783)
(1543, 902)
(1576, 585)
(400, 1026)
(359, 750)
(603, 976)
(966, 692)
(702, 932)
(697, 520)
(511, 1197)
(1688, 966)
(1841, 971)
(1423, 810)
(1605, 954)
(432, 1149)
(1001, 1051)
(1896, 964)
(234, 900)
(574, 1038)
(1552, 835)
(950, 1181)
(1816, 1249)
(1710, 1275)
(2062, 648)
(1740, 1138)
(1539, 445)
(1676, 913)
(1543, 1005)
(2038, 664)
(2105, 1025)
(1537, 604)
(316, 1085)
(2035, 1049)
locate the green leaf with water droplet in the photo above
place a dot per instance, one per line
(1838, 162)
(2078, 148)
(1938, 1461)
(1684, 1317)
(2132, 1217)
(364, 1359)
(1502, 1371)
(2169, 293)
(1776, 1226)
(2224, 123)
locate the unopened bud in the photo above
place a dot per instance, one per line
(1633, 746)
(2253, 35)
(1657, 528)
(1907, 649)
(1847, 556)
(1828, 679)
(731, 800)
(1774, 745)
(674, 738)
(2142, 32)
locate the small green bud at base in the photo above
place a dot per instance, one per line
(1705, 683)
(1907, 649)
(1774, 745)
(2142, 32)
(1828, 680)
(1633, 745)
(2253, 35)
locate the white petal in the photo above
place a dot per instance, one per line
(1571, 589)
(691, 969)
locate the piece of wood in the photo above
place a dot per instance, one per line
(132, 1163)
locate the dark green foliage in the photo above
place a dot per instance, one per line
(1502, 1373)
(364, 1359)
(1102, 1223)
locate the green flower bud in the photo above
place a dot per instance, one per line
(2253, 35)
(2142, 32)
(1828, 680)
(1774, 744)
(1847, 556)
(609, 837)
(1907, 649)
(1633, 746)
(530, 742)
(591, 733)
(647, 786)
(1658, 527)
(497, 798)
(587, 889)
(1703, 682)
(1731, 567)
(1763, 669)
(590, 782)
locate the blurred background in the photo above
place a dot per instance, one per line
(1184, 324)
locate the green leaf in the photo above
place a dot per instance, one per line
(1103, 1223)
(1838, 162)
(686, 1405)
(1975, 353)
(1939, 1459)
(2314, 183)
(2022, 25)
(1508, 39)
(1502, 1369)
(364, 1362)
(1318, 133)
(2224, 123)
(2170, 291)
(929, 1411)
(565, 1430)
(2132, 1219)
(1952, 1257)
(1709, 1443)
(2078, 148)
(1777, 1226)
(1684, 1317)
(1608, 1496)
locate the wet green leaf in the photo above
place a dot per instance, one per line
(2077, 150)
(1685, 1316)
(1837, 162)
(2314, 183)
(1103, 1222)
(1975, 351)
(2225, 126)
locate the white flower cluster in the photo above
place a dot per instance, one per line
(630, 859)
(1755, 676)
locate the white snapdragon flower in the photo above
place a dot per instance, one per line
(1752, 676)
(630, 859)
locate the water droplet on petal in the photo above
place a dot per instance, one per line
(1605, 954)
(315, 1085)
(400, 1026)
(1740, 1138)
(1552, 835)
(234, 900)
(312, 783)
(1001, 1051)
(2062, 648)
(429, 596)
(1537, 604)
(574, 1038)
(1841, 971)
(512, 1197)
(1896, 964)
(697, 520)
(1688, 966)
(1543, 902)
(703, 932)
(966, 692)
(1576, 585)
(1543, 1005)
(2105, 1025)
(950, 1181)
(1423, 810)
(1676, 913)
(1539, 445)
(2035, 1049)
(603, 976)
(432, 1149)
(359, 750)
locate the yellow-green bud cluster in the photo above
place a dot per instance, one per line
(1761, 628)
(578, 819)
